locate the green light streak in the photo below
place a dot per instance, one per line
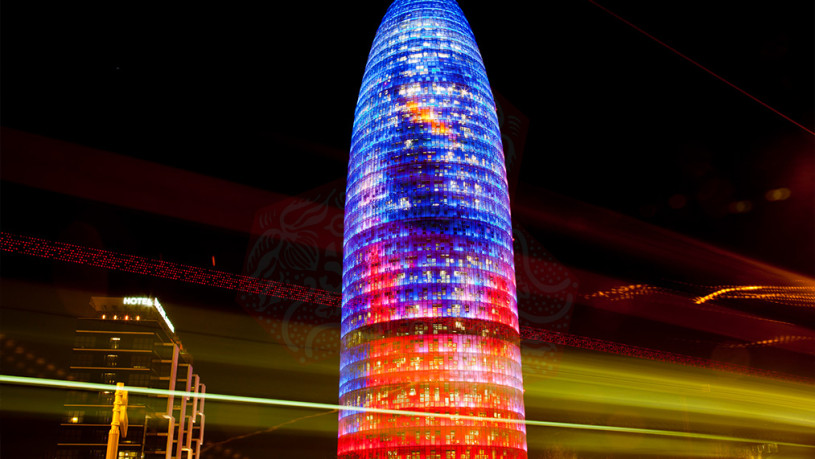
(56, 383)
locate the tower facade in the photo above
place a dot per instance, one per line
(429, 312)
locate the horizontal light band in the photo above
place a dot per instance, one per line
(72, 253)
(57, 383)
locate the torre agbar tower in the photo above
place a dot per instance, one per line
(429, 312)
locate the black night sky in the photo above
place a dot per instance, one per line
(616, 119)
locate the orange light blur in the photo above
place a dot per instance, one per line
(426, 115)
(777, 194)
(793, 296)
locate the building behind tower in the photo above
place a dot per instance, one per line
(131, 340)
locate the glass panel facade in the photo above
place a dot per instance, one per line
(430, 319)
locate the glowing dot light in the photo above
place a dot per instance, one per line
(777, 194)
(740, 207)
(429, 309)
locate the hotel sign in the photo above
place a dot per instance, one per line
(145, 301)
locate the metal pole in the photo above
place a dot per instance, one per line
(182, 415)
(170, 402)
(119, 406)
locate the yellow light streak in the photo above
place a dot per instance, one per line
(789, 295)
(20, 380)
(722, 291)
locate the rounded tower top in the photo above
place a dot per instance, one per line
(429, 306)
(423, 41)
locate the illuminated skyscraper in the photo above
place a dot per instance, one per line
(429, 313)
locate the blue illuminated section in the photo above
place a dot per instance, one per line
(429, 320)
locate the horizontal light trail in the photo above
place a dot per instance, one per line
(96, 175)
(56, 383)
(72, 253)
(668, 397)
(610, 347)
(803, 296)
(705, 298)
(707, 70)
